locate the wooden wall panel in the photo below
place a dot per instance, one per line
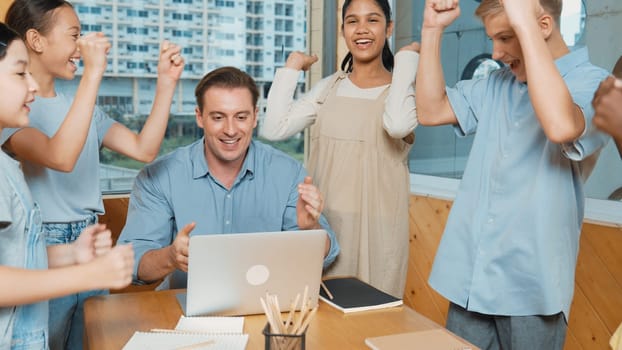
(606, 241)
(596, 280)
(585, 324)
(597, 305)
(429, 216)
(572, 343)
(116, 212)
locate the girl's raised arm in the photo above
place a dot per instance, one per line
(145, 145)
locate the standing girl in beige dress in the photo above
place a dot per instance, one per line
(362, 120)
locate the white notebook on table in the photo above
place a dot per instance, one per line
(185, 341)
(222, 333)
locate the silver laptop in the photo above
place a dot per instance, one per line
(228, 273)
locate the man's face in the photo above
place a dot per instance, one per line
(228, 119)
(505, 44)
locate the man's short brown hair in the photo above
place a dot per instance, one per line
(226, 77)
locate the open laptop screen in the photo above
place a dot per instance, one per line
(228, 273)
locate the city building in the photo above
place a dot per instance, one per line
(253, 35)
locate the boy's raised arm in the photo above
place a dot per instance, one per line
(433, 106)
(541, 42)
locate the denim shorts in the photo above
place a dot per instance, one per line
(66, 232)
(66, 317)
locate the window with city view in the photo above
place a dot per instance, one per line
(253, 35)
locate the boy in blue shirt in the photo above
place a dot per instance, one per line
(507, 258)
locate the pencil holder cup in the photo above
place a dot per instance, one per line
(275, 341)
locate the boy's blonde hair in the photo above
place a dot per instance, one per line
(493, 7)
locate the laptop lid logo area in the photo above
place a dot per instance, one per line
(257, 275)
(229, 273)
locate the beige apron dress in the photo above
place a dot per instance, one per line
(363, 175)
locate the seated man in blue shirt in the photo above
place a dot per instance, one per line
(223, 183)
(507, 258)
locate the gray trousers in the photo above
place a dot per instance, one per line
(491, 332)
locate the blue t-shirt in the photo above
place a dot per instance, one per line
(178, 189)
(22, 245)
(13, 217)
(65, 197)
(511, 240)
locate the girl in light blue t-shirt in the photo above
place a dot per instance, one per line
(85, 264)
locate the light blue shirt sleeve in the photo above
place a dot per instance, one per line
(150, 222)
(102, 122)
(6, 134)
(582, 94)
(461, 98)
(334, 245)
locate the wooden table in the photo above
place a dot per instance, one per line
(111, 320)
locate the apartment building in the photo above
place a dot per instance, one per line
(253, 35)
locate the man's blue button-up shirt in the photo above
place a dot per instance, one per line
(178, 189)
